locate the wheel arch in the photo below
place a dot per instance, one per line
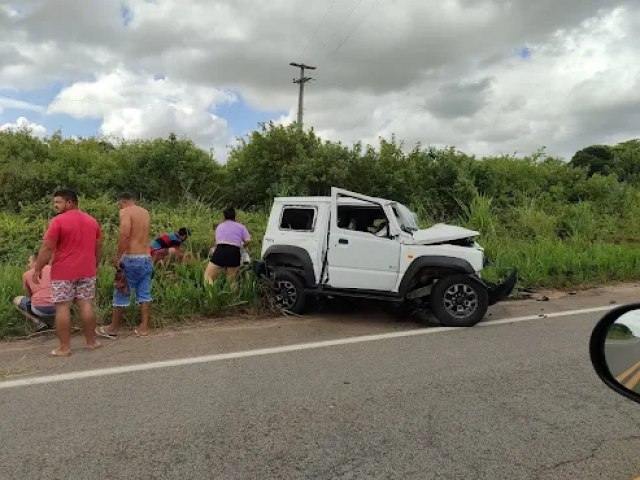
(434, 266)
(291, 258)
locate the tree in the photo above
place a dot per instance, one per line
(627, 161)
(260, 167)
(596, 159)
(619, 331)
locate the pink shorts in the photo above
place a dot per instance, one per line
(68, 291)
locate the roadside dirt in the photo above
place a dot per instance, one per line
(25, 357)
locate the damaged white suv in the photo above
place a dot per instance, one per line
(357, 246)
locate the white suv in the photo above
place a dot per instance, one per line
(357, 246)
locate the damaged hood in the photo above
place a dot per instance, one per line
(442, 233)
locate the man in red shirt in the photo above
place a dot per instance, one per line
(73, 239)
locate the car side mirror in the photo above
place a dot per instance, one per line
(615, 350)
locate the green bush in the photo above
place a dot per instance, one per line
(560, 223)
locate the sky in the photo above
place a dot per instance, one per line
(486, 76)
(632, 320)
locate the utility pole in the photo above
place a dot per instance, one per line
(301, 81)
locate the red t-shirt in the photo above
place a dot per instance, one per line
(74, 235)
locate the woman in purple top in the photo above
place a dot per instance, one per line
(230, 238)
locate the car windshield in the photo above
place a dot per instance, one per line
(406, 218)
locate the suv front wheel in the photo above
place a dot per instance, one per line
(459, 301)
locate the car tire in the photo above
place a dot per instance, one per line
(289, 292)
(459, 301)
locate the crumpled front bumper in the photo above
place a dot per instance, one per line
(500, 291)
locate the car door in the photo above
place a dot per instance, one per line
(360, 259)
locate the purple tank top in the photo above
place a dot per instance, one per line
(231, 232)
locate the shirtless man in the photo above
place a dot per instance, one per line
(134, 260)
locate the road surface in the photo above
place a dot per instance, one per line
(502, 401)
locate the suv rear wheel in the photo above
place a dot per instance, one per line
(459, 300)
(289, 291)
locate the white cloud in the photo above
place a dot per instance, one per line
(10, 11)
(10, 103)
(578, 87)
(23, 124)
(632, 320)
(135, 106)
(440, 73)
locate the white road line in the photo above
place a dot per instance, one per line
(566, 313)
(282, 349)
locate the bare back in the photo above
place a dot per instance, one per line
(135, 221)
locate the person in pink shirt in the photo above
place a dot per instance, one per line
(36, 305)
(226, 254)
(73, 239)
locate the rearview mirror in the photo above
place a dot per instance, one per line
(615, 350)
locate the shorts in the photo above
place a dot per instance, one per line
(226, 255)
(68, 291)
(40, 312)
(158, 254)
(138, 270)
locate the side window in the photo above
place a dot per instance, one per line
(345, 218)
(366, 219)
(300, 219)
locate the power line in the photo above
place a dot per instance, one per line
(373, 6)
(343, 22)
(317, 28)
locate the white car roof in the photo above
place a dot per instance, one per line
(407, 217)
(323, 200)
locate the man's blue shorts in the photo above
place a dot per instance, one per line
(40, 312)
(138, 270)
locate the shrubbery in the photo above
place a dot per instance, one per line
(561, 223)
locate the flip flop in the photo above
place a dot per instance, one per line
(56, 353)
(97, 344)
(103, 333)
(139, 334)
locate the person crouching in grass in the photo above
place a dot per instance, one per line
(36, 305)
(226, 253)
(168, 245)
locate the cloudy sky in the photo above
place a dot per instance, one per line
(632, 320)
(487, 76)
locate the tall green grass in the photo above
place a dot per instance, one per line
(556, 263)
(179, 295)
(551, 245)
(179, 290)
(11, 322)
(557, 246)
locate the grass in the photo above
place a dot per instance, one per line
(619, 331)
(616, 335)
(553, 246)
(179, 290)
(558, 264)
(11, 322)
(179, 295)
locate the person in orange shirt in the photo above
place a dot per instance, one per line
(36, 305)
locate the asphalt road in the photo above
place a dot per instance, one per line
(498, 402)
(623, 360)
